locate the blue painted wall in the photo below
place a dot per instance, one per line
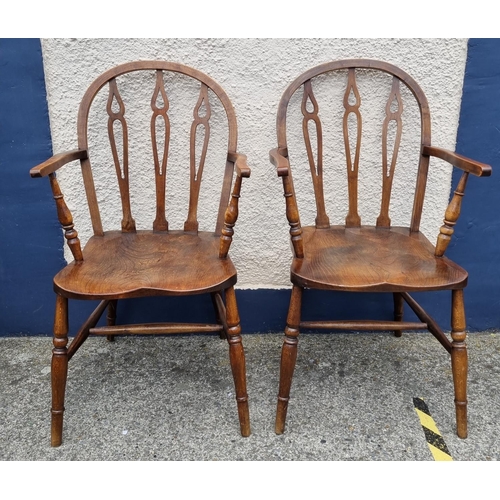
(476, 245)
(31, 241)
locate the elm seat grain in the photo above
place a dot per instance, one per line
(360, 258)
(370, 259)
(124, 265)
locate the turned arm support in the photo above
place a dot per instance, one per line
(231, 215)
(453, 211)
(48, 168)
(279, 158)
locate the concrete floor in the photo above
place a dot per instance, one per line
(172, 398)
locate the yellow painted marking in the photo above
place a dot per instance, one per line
(427, 421)
(439, 456)
(435, 441)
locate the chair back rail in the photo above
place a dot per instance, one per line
(391, 133)
(160, 129)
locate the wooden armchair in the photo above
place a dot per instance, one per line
(128, 263)
(380, 257)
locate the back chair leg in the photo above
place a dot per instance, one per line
(459, 364)
(237, 359)
(111, 317)
(398, 311)
(59, 370)
(222, 333)
(288, 357)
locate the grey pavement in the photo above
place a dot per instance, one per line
(172, 398)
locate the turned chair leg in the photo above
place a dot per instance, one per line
(398, 311)
(459, 362)
(111, 317)
(288, 357)
(59, 370)
(237, 359)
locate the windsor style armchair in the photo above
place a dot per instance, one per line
(116, 265)
(378, 257)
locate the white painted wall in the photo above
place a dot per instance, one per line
(254, 73)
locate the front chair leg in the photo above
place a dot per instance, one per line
(288, 357)
(237, 359)
(459, 362)
(59, 370)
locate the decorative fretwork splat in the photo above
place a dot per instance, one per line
(115, 117)
(393, 111)
(352, 94)
(316, 167)
(160, 105)
(201, 115)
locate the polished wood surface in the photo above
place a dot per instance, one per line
(161, 261)
(362, 258)
(368, 259)
(124, 265)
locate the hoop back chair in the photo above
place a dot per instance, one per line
(159, 261)
(352, 257)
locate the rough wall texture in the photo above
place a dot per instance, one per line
(254, 73)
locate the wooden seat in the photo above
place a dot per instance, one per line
(159, 260)
(124, 265)
(373, 260)
(356, 257)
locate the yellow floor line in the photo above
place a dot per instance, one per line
(439, 456)
(435, 441)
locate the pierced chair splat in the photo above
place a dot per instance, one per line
(354, 257)
(115, 265)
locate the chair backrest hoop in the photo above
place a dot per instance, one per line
(369, 64)
(82, 130)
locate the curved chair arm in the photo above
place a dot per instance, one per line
(240, 163)
(231, 215)
(57, 161)
(64, 215)
(279, 158)
(453, 211)
(459, 161)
